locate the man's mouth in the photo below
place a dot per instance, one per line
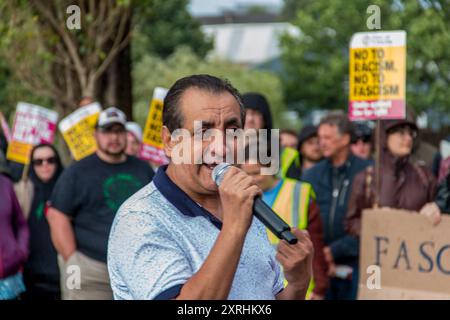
(210, 166)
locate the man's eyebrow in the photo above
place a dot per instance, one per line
(207, 124)
(233, 121)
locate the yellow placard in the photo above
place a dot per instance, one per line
(377, 73)
(19, 152)
(78, 130)
(153, 125)
(80, 137)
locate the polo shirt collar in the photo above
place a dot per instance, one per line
(179, 199)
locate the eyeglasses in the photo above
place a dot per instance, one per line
(40, 162)
(364, 139)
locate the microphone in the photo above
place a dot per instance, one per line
(260, 209)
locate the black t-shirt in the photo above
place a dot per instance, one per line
(91, 191)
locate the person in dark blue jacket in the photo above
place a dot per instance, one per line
(331, 179)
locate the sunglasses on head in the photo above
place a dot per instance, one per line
(40, 162)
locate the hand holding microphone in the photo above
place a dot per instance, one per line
(240, 193)
(240, 199)
(237, 191)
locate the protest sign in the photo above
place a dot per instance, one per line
(78, 130)
(152, 147)
(403, 256)
(377, 75)
(32, 125)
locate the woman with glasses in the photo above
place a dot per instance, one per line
(361, 144)
(403, 184)
(41, 273)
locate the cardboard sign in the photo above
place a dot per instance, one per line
(152, 146)
(406, 254)
(377, 75)
(32, 125)
(78, 130)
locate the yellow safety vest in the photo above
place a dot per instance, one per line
(292, 205)
(287, 158)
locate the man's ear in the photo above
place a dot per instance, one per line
(168, 144)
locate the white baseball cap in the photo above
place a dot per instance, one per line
(135, 129)
(111, 116)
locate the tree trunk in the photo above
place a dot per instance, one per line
(115, 85)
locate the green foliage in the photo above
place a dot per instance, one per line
(152, 71)
(163, 25)
(316, 62)
(19, 47)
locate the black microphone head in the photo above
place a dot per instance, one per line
(219, 171)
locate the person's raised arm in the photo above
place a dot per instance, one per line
(296, 260)
(213, 280)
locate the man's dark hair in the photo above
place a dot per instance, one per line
(340, 121)
(172, 115)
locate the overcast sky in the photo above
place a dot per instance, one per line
(214, 7)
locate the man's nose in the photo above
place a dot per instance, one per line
(218, 146)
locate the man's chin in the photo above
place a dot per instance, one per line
(114, 153)
(205, 175)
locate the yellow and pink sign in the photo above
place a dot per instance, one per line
(377, 75)
(152, 146)
(32, 125)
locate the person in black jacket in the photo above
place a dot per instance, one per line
(331, 179)
(41, 272)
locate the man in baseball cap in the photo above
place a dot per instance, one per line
(84, 203)
(111, 116)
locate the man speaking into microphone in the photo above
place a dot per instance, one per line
(184, 237)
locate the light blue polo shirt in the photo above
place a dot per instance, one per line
(160, 238)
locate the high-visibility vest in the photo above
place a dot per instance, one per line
(289, 156)
(292, 205)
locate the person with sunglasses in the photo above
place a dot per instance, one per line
(361, 144)
(404, 184)
(41, 272)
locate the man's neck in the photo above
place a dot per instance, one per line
(340, 157)
(209, 202)
(113, 159)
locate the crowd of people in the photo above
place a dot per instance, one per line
(102, 214)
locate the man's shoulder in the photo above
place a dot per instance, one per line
(312, 173)
(83, 164)
(360, 163)
(137, 162)
(144, 200)
(140, 164)
(149, 204)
